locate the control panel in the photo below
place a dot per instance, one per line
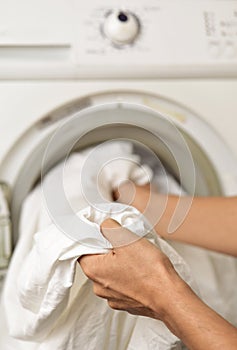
(111, 39)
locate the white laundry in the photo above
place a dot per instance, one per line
(48, 300)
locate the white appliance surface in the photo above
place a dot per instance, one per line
(23, 103)
(57, 50)
(54, 51)
(159, 38)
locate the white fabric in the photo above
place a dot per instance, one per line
(48, 300)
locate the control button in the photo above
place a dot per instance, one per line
(121, 27)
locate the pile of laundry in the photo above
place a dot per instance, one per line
(48, 302)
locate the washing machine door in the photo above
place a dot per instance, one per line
(185, 144)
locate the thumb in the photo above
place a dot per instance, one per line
(116, 234)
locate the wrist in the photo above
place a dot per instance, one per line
(180, 308)
(164, 290)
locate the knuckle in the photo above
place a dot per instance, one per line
(113, 305)
(98, 290)
(116, 305)
(106, 284)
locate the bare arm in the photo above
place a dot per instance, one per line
(210, 223)
(197, 325)
(154, 289)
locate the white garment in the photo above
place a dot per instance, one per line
(48, 300)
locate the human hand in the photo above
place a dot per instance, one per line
(140, 279)
(132, 194)
(145, 198)
(137, 277)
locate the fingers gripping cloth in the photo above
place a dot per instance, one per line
(49, 302)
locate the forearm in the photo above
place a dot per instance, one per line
(210, 223)
(195, 323)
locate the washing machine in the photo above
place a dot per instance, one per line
(128, 70)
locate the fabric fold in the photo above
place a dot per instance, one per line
(49, 302)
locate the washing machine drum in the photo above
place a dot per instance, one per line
(184, 143)
(182, 147)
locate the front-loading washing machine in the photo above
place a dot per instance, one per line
(112, 61)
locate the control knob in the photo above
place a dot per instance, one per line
(121, 27)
